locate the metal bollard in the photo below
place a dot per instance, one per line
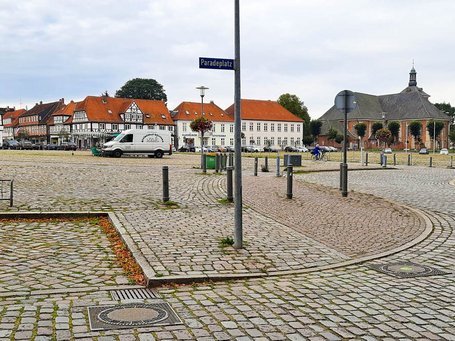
(409, 159)
(344, 176)
(266, 163)
(204, 164)
(255, 166)
(366, 159)
(231, 159)
(341, 176)
(431, 161)
(165, 183)
(289, 182)
(230, 196)
(451, 161)
(384, 161)
(394, 159)
(11, 194)
(217, 163)
(224, 161)
(278, 165)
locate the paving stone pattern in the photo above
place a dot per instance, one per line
(354, 302)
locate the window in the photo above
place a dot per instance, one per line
(285, 141)
(258, 141)
(231, 141)
(127, 138)
(258, 126)
(285, 127)
(243, 142)
(162, 127)
(231, 128)
(279, 127)
(171, 128)
(243, 126)
(292, 128)
(213, 141)
(298, 128)
(298, 141)
(115, 127)
(272, 126)
(292, 141)
(127, 126)
(222, 127)
(251, 126)
(223, 141)
(265, 126)
(279, 141)
(184, 127)
(102, 126)
(213, 127)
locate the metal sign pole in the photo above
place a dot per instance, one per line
(238, 233)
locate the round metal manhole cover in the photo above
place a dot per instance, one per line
(407, 269)
(132, 315)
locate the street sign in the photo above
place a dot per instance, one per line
(216, 63)
(345, 101)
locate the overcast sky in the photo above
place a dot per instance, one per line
(314, 49)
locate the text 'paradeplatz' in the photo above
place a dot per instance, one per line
(216, 63)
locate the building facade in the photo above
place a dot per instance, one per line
(411, 104)
(267, 123)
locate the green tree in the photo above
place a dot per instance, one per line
(315, 128)
(383, 135)
(415, 128)
(375, 127)
(22, 134)
(394, 127)
(447, 109)
(141, 88)
(434, 129)
(361, 129)
(339, 138)
(201, 125)
(293, 104)
(452, 134)
(332, 134)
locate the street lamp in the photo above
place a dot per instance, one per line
(406, 137)
(202, 93)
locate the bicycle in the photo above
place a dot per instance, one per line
(319, 156)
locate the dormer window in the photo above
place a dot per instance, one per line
(163, 116)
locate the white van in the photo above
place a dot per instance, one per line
(149, 142)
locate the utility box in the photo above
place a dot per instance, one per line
(210, 161)
(292, 160)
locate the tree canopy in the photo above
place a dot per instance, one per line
(415, 128)
(394, 128)
(434, 128)
(315, 128)
(141, 88)
(383, 135)
(361, 129)
(375, 127)
(447, 109)
(332, 134)
(201, 125)
(294, 105)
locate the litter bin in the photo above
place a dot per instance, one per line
(292, 160)
(210, 161)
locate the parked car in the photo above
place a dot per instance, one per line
(270, 149)
(302, 149)
(25, 145)
(229, 149)
(198, 149)
(444, 151)
(51, 146)
(10, 144)
(423, 151)
(290, 149)
(332, 149)
(69, 146)
(250, 149)
(187, 149)
(387, 151)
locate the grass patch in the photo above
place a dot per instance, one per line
(224, 201)
(226, 241)
(170, 204)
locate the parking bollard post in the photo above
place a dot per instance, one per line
(266, 163)
(278, 165)
(165, 183)
(255, 166)
(11, 194)
(230, 196)
(384, 161)
(204, 164)
(394, 159)
(289, 182)
(431, 161)
(366, 159)
(409, 159)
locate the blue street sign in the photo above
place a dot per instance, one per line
(216, 63)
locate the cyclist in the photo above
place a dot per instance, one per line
(316, 152)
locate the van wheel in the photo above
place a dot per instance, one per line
(158, 154)
(117, 153)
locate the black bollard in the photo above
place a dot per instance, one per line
(231, 160)
(217, 163)
(266, 164)
(278, 165)
(230, 196)
(366, 159)
(204, 164)
(431, 161)
(409, 159)
(394, 159)
(289, 182)
(165, 183)
(255, 166)
(384, 161)
(11, 194)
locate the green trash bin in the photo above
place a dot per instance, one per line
(210, 161)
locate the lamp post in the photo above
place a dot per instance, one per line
(406, 138)
(434, 136)
(202, 93)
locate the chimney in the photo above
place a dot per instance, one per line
(40, 102)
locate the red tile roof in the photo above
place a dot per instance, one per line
(66, 110)
(188, 111)
(259, 110)
(108, 109)
(14, 115)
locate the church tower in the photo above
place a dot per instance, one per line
(413, 77)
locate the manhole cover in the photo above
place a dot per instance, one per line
(132, 315)
(407, 270)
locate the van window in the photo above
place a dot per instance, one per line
(127, 138)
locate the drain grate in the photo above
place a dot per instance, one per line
(407, 270)
(132, 315)
(132, 294)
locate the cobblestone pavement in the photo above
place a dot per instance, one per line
(354, 302)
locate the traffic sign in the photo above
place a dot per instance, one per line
(216, 63)
(345, 101)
